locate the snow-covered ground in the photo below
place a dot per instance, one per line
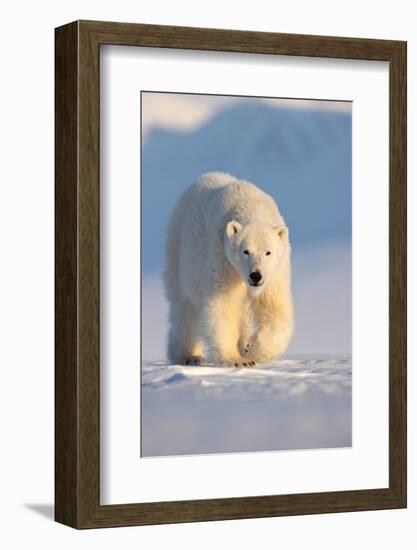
(301, 402)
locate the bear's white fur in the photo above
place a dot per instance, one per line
(223, 230)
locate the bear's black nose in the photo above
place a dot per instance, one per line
(255, 277)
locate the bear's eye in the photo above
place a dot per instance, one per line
(246, 252)
(268, 253)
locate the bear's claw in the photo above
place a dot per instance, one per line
(238, 363)
(194, 360)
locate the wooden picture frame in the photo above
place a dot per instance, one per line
(77, 364)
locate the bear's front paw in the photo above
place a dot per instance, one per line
(247, 353)
(194, 360)
(256, 351)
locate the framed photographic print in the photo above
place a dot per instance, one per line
(230, 274)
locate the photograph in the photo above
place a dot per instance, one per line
(246, 274)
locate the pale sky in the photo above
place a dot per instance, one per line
(188, 111)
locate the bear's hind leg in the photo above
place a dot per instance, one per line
(184, 342)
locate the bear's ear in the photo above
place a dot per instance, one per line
(232, 228)
(282, 231)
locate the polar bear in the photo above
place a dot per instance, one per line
(228, 275)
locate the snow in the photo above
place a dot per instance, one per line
(301, 402)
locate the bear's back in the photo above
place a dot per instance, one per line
(221, 197)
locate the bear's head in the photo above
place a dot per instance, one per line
(256, 251)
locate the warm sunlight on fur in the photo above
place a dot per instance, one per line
(228, 275)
